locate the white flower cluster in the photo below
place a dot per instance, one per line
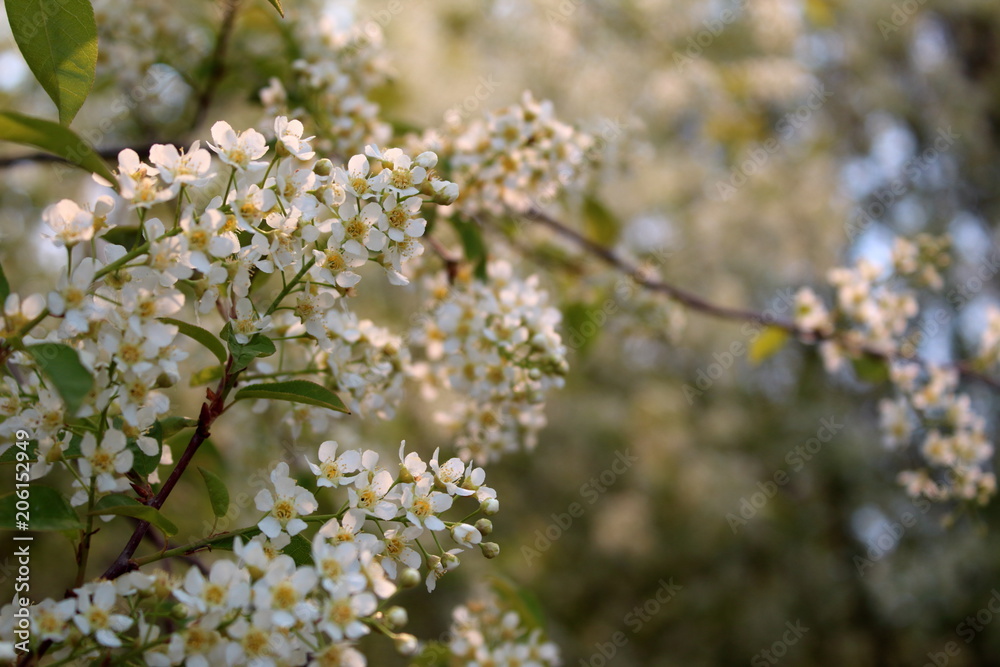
(875, 313)
(365, 362)
(514, 158)
(332, 79)
(484, 633)
(494, 345)
(951, 437)
(295, 215)
(266, 607)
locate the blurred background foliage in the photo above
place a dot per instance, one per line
(693, 106)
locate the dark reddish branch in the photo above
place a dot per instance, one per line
(210, 411)
(695, 302)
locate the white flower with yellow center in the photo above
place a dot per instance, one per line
(237, 150)
(284, 589)
(105, 460)
(95, 617)
(334, 470)
(227, 588)
(285, 506)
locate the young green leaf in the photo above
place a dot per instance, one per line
(277, 5)
(59, 42)
(199, 335)
(295, 391)
(218, 494)
(767, 344)
(145, 513)
(206, 376)
(258, 345)
(473, 245)
(53, 138)
(61, 365)
(47, 510)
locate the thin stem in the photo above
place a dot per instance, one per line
(81, 568)
(291, 283)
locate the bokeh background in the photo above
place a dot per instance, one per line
(686, 93)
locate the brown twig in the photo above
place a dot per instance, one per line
(216, 63)
(697, 303)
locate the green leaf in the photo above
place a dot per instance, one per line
(4, 286)
(218, 494)
(871, 369)
(579, 327)
(300, 550)
(295, 391)
(53, 138)
(473, 245)
(143, 463)
(168, 427)
(258, 345)
(115, 500)
(200, 335)
(601, 225)
(767, 344)
(206, 376)
(58, 39)
(61, 365)
(145, 513)
(277, 5)
(10, 456)
(47, 510)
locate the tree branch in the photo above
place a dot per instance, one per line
(697, 303)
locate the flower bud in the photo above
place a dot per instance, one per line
(490, 549)
(396, 617)
(450, 561)
(484, 526)
(406, 644)
(323, 167)
(409, 578)
(427, 159)
(490, 506)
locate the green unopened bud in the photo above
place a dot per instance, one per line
(490, 506)
(490, 549)
(323, 167)
(484, 526)
(409, 578)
